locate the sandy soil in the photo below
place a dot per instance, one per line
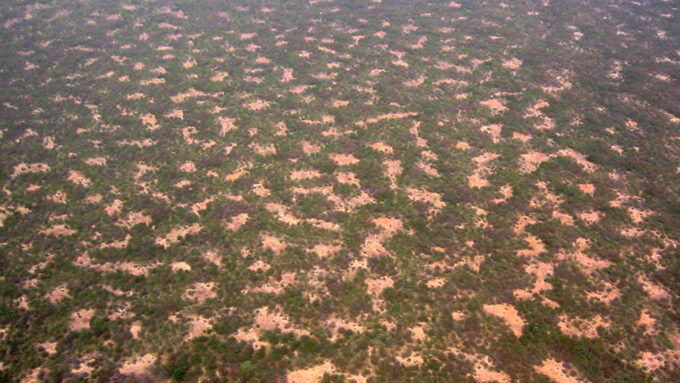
(139, 366)
(556, 371)
(80, 320)
(177, 233)
(508, 314)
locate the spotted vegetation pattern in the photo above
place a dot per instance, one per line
(336, 190)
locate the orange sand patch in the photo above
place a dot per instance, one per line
(428, 169)
(436, 283)
(192, 93)
(579, 158)
(188, 167)
(637, 215)
(556, 371)
(99, 161)
(521, 137)
(116, 244)
(654, 291)
(373, 245)
(418, 332)
(139, 366)
(477, 181)
(135, 329)
(582, 328)
(177, 233)
(227, 124)
(590, 217)
(49, 347)
(80, 320)
(260, 190)
(432, 198)
(377, 285)
(298, 175)
(650, 361)
(149, 120)
(415, 82)
(388, 226)
(175, 113)
(311, 375)
(483, 370)
(513, 63)
(522, 222)
(287, 75)
(337, 324)
(240, 172)
(536, 247)
(213, 257)
(462, 145)
(412, 359)
(382, 147)
(23, 168)
(324, 251)
(494, 130)
(344, 159)
(58, 294)
(282, 213)
(58, 230)
(272, 243)
(237, 222)
(531, 161)
(257, 105)
(180, 266)
(309, 148)
(588, 264)
(387, 116)
(495, 105)
(505, 192)
(198, 326)
(263, 150)
(647, 322)
(347, 178)
(115, 208)
(508, 314)
(393, 171)
(267, 320)
(259, 265)
(587, 188)
(541, 270)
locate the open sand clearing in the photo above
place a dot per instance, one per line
(139, 366)
(312, 374)
(431, 198)
(495, 105)
(176, 234)
(508, 314)
(582, 328)
(80, 320)
(556, 371)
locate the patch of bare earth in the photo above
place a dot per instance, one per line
(556, 371)
(200, 292)
(58, 294)
(431, 198)
(177, 233)
(80, 320)
(23, 168)
(274, 244)
(508, 314)
(495, 105)
(582, 327)
(138, 366)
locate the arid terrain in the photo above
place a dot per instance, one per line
(340, 190)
